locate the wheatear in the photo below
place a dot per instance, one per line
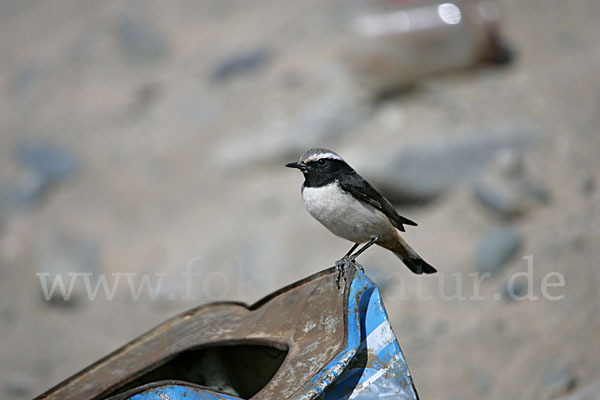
(339, 198)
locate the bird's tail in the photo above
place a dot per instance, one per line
(410, 257)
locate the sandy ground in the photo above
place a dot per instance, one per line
(151, 163)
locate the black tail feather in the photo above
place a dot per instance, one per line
(418, 265)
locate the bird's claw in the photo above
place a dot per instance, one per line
(341, 269)
(362, 269)
(340, 266)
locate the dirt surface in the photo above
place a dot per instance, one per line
(149, 138)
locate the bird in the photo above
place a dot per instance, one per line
(348, 206)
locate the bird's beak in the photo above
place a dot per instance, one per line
(299, 165)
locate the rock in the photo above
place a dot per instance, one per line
(578, 242)
(422, 173)
(588, 392)
(18, 385)
(241, 63)
(140, 40)
(31, 188)
(48, 163)
(497, 196)
(496, 248)
(586, 183)
(482, 380)
(538, 192)
(505, 190)
(47, 159)
(558, 382)
(146, 96)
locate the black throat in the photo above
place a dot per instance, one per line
(335, 171)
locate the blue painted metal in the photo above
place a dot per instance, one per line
(370, 366)
(180, 392)
(379, 368)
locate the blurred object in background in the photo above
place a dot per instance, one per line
(421, 173)
(396, 42)
(506, 190)
(48, 164)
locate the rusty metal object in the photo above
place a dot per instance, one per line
(304, 341)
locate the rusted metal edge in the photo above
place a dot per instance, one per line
(189, 314)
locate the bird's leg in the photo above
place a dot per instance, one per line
(371, 242)
(350, 259)
(362, 269)
(350, 251)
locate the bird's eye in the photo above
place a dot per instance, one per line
(322, 162)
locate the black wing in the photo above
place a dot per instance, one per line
(362, 190)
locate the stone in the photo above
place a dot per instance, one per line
(47, 159)
(498, 197)
(558, 382)
(505, 190)
(538, 192)
(588, 392)
(482, 381)
(241, 63)
(140, 40)
(422, 173)
(585, 183)
(18, 385)
(48, 164)
(496, 248)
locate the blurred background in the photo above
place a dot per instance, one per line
(147, 138)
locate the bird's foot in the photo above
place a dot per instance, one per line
(342, 270)
(357, 265)
(340, 267)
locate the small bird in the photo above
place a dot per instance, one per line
(346, 204)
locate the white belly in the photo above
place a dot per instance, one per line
(345, 216)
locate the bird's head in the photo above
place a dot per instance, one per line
(320, 164)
